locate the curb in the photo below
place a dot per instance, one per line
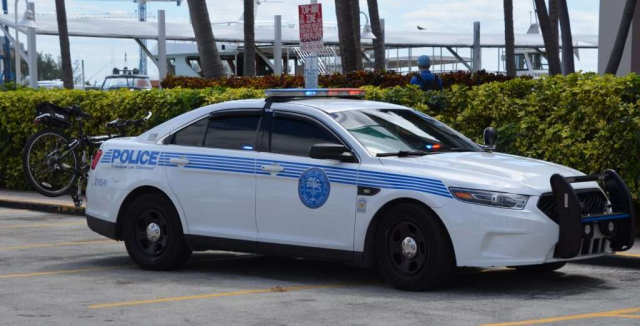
(43, 207)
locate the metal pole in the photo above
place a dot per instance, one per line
(162, 46)
(16, 46)
(33, 52)
(142, 16)
(286, 68)
(84, 82)
(384, 31)
(410, 61)
(312, 63)
(477, 55)
(277, 45)
(7, 48)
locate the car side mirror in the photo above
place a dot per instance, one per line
(331, 152)
(490, 136)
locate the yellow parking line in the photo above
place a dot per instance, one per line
(604, 314)
(216, 295)
(626, 254)
(70, 271)
(59, 244)
(41, 225)
(626, 316)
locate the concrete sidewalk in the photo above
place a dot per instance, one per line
(35, 201)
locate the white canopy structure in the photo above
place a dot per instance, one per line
(103, 28)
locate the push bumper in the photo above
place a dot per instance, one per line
(617, 225)
(102, 227)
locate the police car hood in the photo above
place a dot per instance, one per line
(486, 171)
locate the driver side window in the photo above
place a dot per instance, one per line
(293, 136)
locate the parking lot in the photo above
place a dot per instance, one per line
(55, 271)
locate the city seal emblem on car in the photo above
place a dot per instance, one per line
(314, 188)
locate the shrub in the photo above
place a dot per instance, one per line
(346, 80)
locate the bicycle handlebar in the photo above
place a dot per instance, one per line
(118, 124)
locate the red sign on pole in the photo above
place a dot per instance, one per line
(311, 32)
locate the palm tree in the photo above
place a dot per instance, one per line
(553, 17)
(210, 61)
(346, 36)
(378, 42)
(355, 14)
(547, 36)
(621, 38)
(249, 67)
(65, 48)
(509, 39)
(567, 40)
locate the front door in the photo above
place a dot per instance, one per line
(300, 201)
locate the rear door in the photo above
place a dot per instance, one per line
(212, 172)
(301, 201)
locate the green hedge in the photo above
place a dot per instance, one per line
(584, 121)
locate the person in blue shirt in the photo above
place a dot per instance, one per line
(425, 79)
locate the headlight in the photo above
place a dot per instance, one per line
(490, 198)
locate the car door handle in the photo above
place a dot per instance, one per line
(273, 168)
(179, 161)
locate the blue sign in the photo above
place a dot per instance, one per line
(314, 188)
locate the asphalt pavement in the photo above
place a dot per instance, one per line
(55, 271)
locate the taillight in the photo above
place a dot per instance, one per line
(96, 159)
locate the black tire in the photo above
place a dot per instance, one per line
(47, 176)
(169, 251)
(541, 269)
(433, 259)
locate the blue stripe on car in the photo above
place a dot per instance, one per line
(294, 170)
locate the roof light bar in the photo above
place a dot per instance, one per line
(316, 93)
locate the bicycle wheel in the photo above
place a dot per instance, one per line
(48, 164)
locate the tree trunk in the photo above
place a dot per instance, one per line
(355, 14)
(509, 39)
(547, 36)
(621, 38)
(65, 48)
(249, 39)
(554, 20)
(378, 43)
(346, 35)
(210, 61)
(568, 66)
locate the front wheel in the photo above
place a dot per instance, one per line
(48, 163)
(413, 249)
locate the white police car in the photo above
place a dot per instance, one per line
(324, 174)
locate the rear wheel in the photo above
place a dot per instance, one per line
(48, 165)
(153, 234)
(413, 250)
(541, 269)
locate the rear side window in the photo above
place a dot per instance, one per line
(193, 135)
(233, 132)
(295, 136)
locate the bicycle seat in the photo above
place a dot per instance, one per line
(76, 111)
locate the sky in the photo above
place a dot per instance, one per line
(453, 16)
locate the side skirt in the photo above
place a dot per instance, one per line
(202, 243)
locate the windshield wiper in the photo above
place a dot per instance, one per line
(403, 154)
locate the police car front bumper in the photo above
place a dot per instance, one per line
(485, 236)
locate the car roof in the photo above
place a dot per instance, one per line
(331, 105)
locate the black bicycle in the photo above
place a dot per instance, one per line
(50, 157)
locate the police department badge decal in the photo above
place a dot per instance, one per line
(314, 188)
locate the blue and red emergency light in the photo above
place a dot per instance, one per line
(315, 93)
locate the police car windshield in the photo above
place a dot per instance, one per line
(394, 131)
